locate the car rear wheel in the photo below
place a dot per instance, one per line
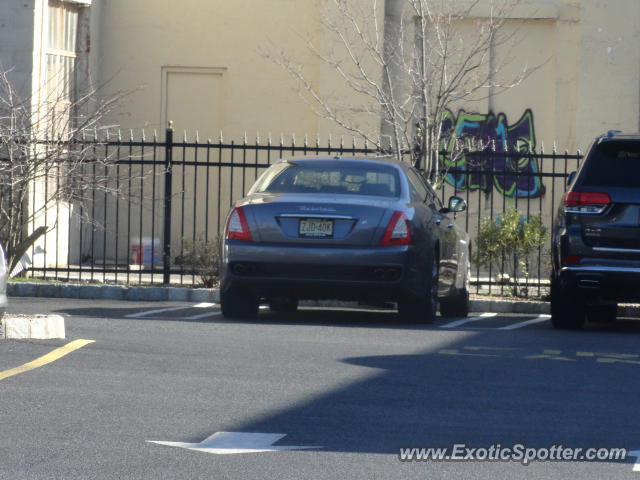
(457, 306)
(423, 309)
(283, 305)
(602, 313)
(567, 312)
(237, 304)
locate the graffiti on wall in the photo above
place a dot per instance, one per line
(513, 176)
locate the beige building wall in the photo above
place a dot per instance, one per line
(203, 63)
(609, 69)
(17, 42)
(199, 63)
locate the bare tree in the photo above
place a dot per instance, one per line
(44, 151)
(407, 65)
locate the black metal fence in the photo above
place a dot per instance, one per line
(162, 200)
(493, 182)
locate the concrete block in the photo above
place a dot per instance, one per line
(89, 291)
(480, 306)
(533, 308)
(136, 293)
(46, 326)
(157, 294)
(38, 327)
(152, 294)
(177, 294)
(51, 290)
(22, 289)
(508, 306)
(16, 327)
(499, 306)
(201, 295)
(114, 292)
(70, 291)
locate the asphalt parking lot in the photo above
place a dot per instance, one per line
(347, 389)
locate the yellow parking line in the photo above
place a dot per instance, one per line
(48, 358)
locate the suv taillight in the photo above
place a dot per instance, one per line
(586, 202)
(571, 260)
(398, 231)
(237, 226)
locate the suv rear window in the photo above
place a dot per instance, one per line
(338, 177)
(613, 164)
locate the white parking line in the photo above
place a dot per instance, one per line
(201, 315)
(457, 323)
(159, 310)
(539, 319)
(146, 313)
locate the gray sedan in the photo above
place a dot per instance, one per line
(354, 229)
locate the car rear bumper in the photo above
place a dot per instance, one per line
(321, 273)
(609, 283)
(321, 290)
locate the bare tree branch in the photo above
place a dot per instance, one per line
(48, 157)
(409, 69)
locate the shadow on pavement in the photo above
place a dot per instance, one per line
(483, 391)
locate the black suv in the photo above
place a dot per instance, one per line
(596, 236)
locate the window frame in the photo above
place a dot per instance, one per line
(61, 53)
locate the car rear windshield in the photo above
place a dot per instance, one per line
(614, 164)
(330, 177)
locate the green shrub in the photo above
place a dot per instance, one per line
(202, 258)
(507, 243)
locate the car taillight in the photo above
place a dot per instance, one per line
(586, 202)
(237, 226)
(398, 231)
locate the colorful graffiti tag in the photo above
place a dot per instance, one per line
(512, 175)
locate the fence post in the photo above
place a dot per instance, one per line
(168, 178)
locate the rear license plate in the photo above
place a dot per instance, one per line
(312, 227)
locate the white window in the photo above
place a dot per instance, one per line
(61, 59)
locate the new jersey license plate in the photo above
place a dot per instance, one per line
(315, 227)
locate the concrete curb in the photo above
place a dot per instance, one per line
(212, 295)
(507, 306)
(112, 292)
(40, 327)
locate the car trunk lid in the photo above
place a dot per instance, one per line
(306, 219)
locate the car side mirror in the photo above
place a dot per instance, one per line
(456, 205)
(571, 178)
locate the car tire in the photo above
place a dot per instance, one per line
(602, 313)
(457, 306)
(283, 305)
(567, 312)
(237, 304)
(422, 309)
